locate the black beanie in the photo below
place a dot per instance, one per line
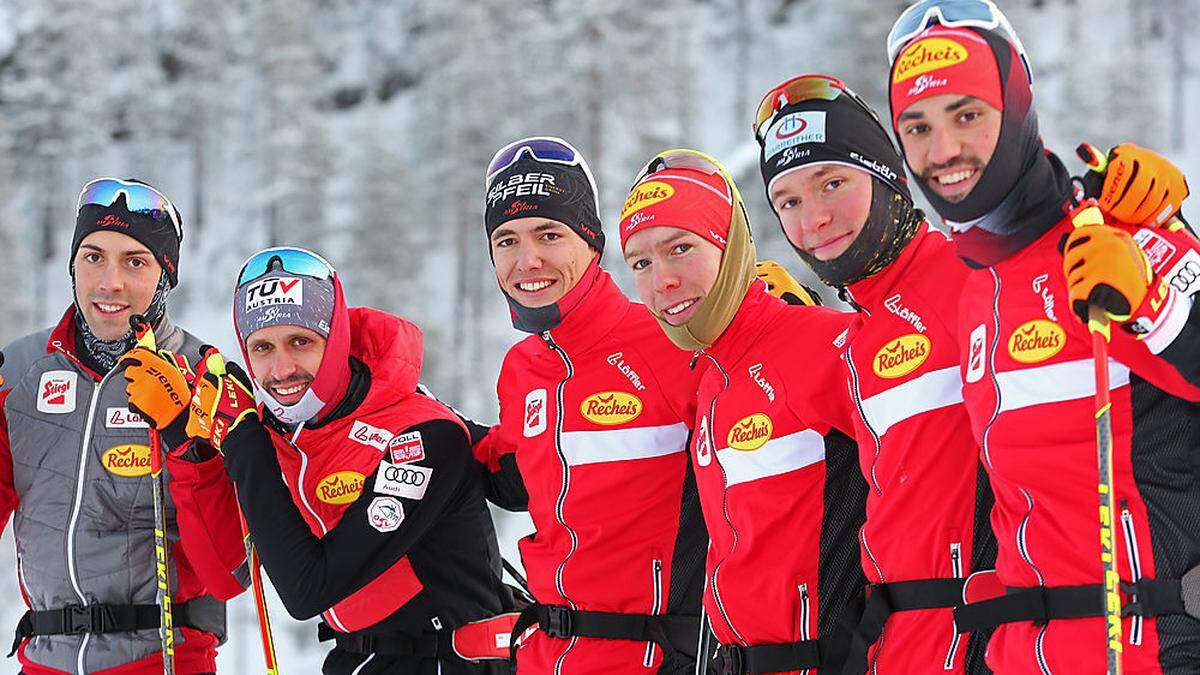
(156, 230)
(560, 192)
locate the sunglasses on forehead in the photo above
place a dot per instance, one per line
(139, 198)
(798, 89)
(952, 14)
(291, 259)
(688, 159)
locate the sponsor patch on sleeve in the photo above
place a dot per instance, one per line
(1184, 276)
(370, 435)
(385, 514)
(406, 448)
(403, 480)
(1158, 250)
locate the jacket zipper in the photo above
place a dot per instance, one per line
(857, 393)
(712, 411)
(805, 617)
(991, 366)
(72, 567)
(956, 568)
(1135, 567)
(560, 505)
(1023, 549)
(656, 576)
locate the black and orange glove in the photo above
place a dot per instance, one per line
(220, 400)
(1134, 185)
(158, 390)
(781, 284)
(1104, 267)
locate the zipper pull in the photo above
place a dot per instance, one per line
(549, 340)
(695, 358)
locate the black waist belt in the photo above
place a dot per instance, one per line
(772, 658)
(883, 600)
(1040, 604)
(431, 646)
(676, 634)
(99, 618)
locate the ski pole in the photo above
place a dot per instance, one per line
(145, 338)
(1100, 329)
(213, 362)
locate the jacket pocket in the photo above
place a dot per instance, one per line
(1135, 566)
(957, 571)
(657, 605)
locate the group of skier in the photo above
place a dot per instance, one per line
(726, 477)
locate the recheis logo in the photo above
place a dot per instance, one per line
(750, 433)
(930, 54)
(901, 356)
(274, 291)
(535, 413)
(130, 461)
(1035, 341)
(341, 487)
(807, 126)
(646, 194)
(56, 391)
(610, 408)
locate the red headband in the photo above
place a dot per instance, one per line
(688, 199)
(945, 61)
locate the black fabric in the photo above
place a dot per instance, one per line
(883, 600)
(675, 634)
(983, 557)
(98, 619)
(1166, 467)
(447, 535)
(1184, 351)
(691, 546)
(841, 576)
(772, 658)
(100, 355)
(154, 230)
(428, 645)
(506, 488)
(1159, 598)
(530, 188)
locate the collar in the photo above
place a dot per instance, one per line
(758, 310)
(62, 339)
(870, 292)
(601, 308)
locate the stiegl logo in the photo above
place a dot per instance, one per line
(1035, 341)
(341, 487)
(901, 356)
(750, 433)
(130, 461)
(610, 408)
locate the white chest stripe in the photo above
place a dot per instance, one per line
(777, 456)
(933, 390)
(617, 445)
(1055, 383)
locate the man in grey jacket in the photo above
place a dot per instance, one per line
(75, 463)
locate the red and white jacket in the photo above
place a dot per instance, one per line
(781, 495)
(597, 412)
(927, 495)
(1029, 386)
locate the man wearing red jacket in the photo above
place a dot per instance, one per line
(75, 463)
(781, 497)
(594, 412)
(967, 126)
(379, 524)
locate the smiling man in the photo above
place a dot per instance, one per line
(595, 407)
(962, 107)
(75, 462)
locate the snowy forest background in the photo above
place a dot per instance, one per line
(361, 129)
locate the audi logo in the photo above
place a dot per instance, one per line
(404, 475)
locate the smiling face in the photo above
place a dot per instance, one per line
(284, 360)
(673, 269)
(538, 260)
(115, 278)
(948, 140)
(822, 207)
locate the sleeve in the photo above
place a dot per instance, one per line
(8, 492)
(823, 372)
(206, 512)
(310, 573)
(496, 454)
(1172, 344)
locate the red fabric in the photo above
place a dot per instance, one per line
(325, 473)
(774, 362)
(1041, 456)
(945, 61)
(688, 199)
(8, 493)
(205, 507)
(620, 493)
(916, 449)
(197, 653)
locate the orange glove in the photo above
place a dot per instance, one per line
(1104, 267)
(157, 389)
(1134, 185)
(220, 401)
(781, 284)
